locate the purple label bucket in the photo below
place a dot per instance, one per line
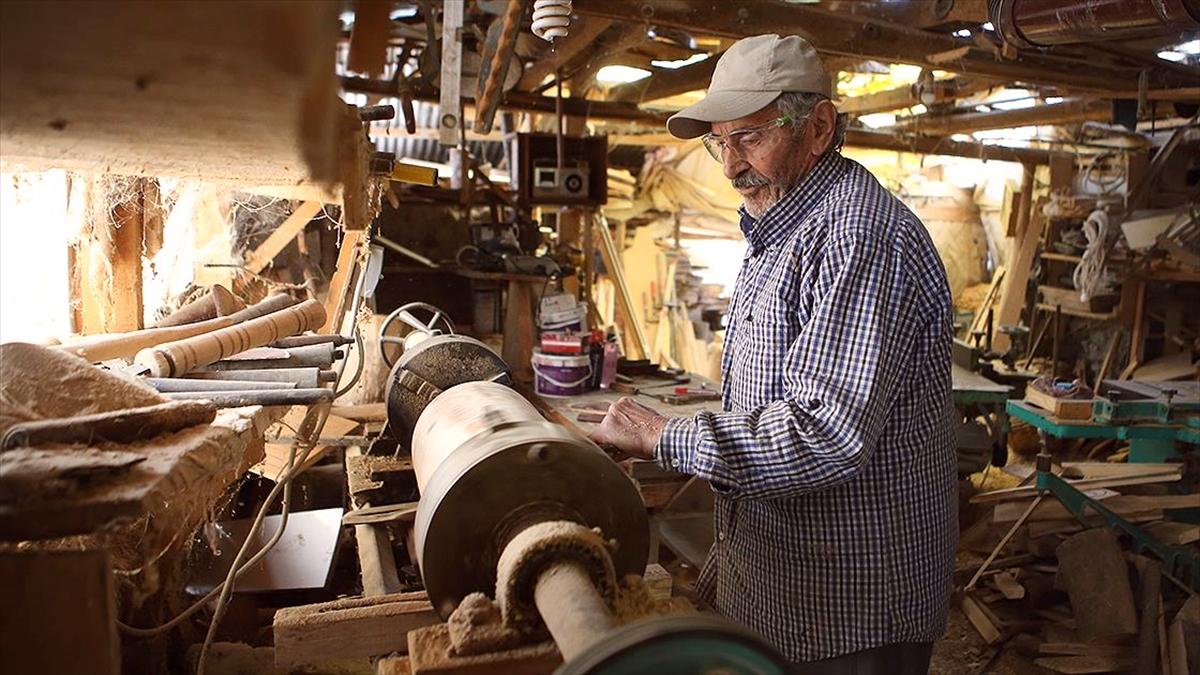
(557, 375)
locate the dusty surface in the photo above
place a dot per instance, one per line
(476, 627)
(429, 649)
(534, 548)
(40, 382)
(962, 652)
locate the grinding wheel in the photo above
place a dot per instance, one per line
(442, 361)
(679, 645)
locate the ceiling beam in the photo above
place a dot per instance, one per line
(1066, 112)
(664, 83)
(581, 36)
(928, 145)
(834, 33)
(520, 101)
(908, 96)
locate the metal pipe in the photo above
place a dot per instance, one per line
(572, 608)
(180, 384)
(305, 378)
(1043, 23)
(237, 399)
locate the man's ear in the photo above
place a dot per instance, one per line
(823, 120)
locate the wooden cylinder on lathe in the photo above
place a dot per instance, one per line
(176, 358)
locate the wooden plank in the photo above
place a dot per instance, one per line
(347, 262)
(1026, 491)
(1177, 366)
(450, 119)
(59, 614)
(1066, 112)
(981, 620)
(616, 268)
(262, 256)
(258, 104)
(1012, 300)
(1086, 664)
(369, 37)
(199, 462)
(349, 628)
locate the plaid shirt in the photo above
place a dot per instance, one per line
(833, 463)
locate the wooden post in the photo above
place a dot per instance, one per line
(107, 260)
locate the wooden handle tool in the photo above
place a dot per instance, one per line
(176, 358)
(98, 348)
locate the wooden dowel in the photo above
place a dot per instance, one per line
(178, 357)
(98, 348)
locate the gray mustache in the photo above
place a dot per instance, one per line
(748, 179)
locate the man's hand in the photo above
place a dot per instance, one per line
(630, 427)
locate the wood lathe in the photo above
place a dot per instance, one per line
(526, 528)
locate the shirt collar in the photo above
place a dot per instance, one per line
(784, 215)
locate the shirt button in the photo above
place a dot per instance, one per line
(675, 463)
(749, 318)
(721, 536)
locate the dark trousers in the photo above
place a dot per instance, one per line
(901, 658)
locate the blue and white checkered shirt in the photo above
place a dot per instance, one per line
(833, 462)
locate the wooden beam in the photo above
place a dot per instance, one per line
(524, 102)
(218, 92)
(1016, 282)
(907, 96)
(348, 628)
(839, 33)
(262, 256)
(929, 145)
(60, 613)
(582, 35)
(1066, 112)
(347, 261)
(666, 83)
(106, 269)
(497, 57)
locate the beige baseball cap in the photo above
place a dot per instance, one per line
(749, 75)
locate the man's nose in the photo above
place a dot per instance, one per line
(733, 164)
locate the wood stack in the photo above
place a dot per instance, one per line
(1062, 592)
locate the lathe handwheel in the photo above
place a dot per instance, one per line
(679, 645)
(404, 313)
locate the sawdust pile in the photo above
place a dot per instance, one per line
(41, 383)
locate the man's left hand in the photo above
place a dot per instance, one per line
(630, 427)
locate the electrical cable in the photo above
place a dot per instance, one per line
(359, 367)
(234, 569)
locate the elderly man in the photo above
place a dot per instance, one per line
(833, 460)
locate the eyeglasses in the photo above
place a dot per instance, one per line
(741, 140)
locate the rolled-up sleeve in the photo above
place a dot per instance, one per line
(842, 373)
